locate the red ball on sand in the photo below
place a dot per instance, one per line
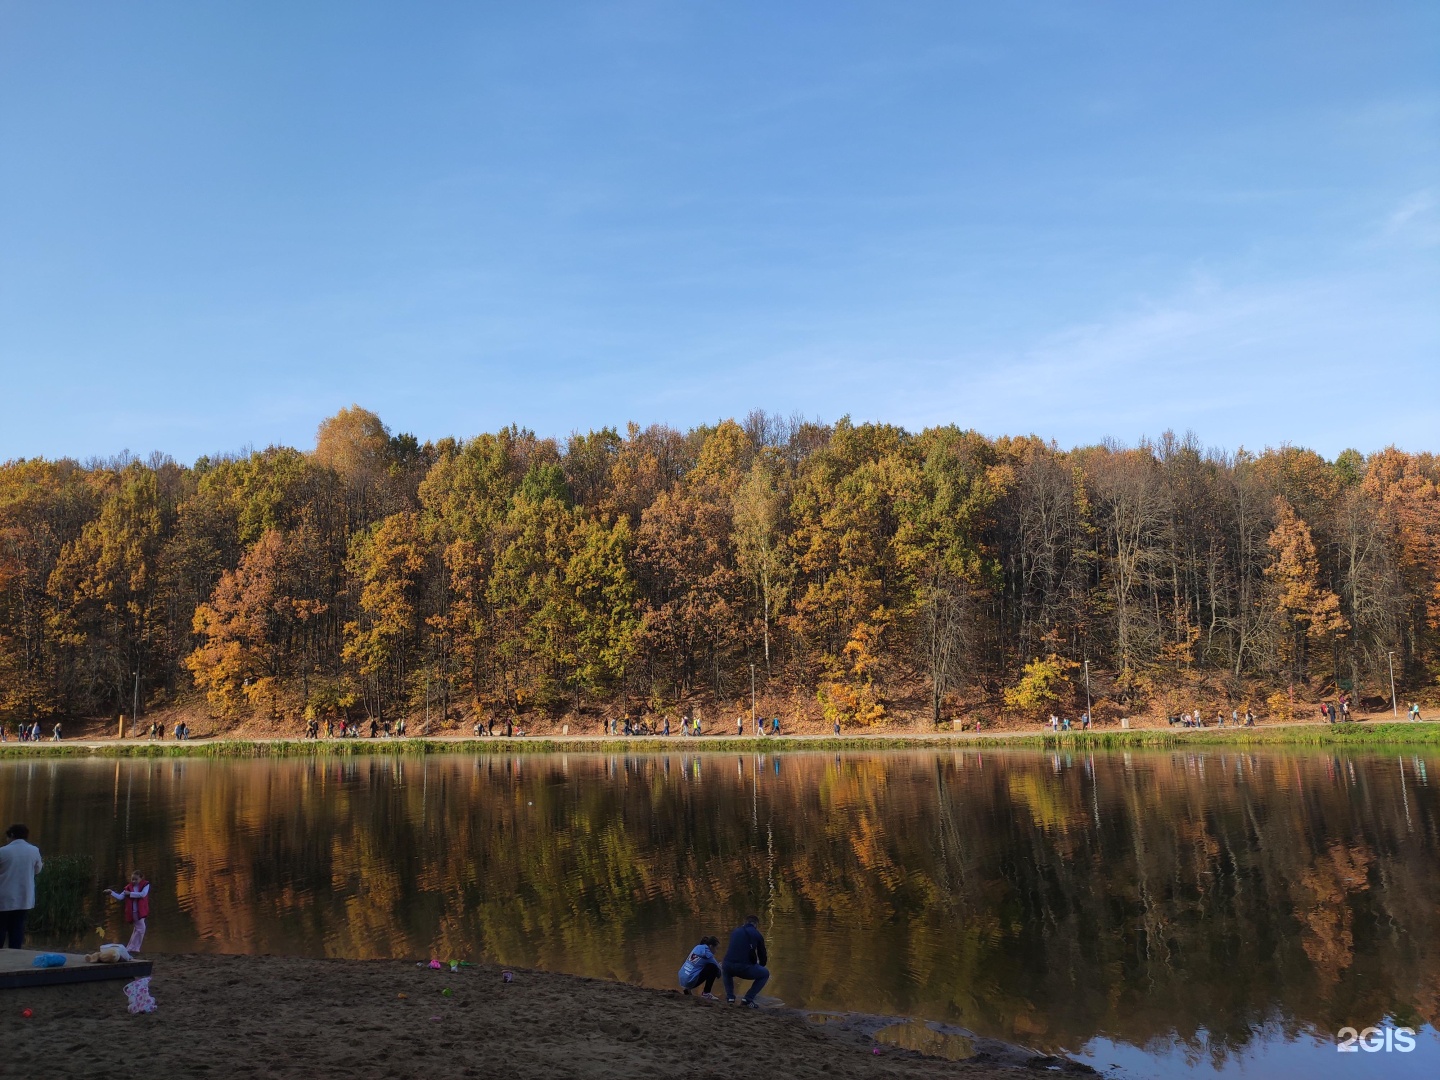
(27, 1013)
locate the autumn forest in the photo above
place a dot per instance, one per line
(862, 571)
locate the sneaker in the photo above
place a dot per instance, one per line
(729, 1001)
(748, 1003)
(709, 997)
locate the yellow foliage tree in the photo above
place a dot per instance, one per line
(851, 694)
(1043, 684)
(756, 515)
(1305, 607)
(252, 627)
(389, 562)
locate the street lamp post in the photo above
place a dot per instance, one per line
(752, 696)
(1394, 705)
(1090, 722)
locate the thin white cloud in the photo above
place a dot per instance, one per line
(1415, 219)
(1326, 363)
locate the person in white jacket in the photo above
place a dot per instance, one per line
(19, 863)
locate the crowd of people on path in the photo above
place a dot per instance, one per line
(1333, 712)
(487, 728)
(181, 731)
(745, 959)
(1197, 719)
(626, 725)
(689, 726)
(346, 728)
(30, 732)
(1330, 711)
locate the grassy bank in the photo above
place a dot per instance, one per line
(1352, 734)
(1303, 735)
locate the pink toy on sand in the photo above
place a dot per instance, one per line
(138, 992)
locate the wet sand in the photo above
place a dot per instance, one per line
(244, 1016)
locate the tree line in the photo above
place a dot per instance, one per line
(855, 567)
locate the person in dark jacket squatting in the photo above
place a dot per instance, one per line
(745, 958)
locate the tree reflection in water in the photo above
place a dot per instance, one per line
(1213, 898)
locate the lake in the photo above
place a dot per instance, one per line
(1223, 910)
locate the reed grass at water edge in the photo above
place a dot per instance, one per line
(1306, 735)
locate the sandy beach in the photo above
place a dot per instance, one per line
(243, 1016)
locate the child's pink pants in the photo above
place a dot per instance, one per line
(137, 936)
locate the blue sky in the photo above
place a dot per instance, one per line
(219, 223)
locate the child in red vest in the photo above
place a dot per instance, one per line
(136, 898)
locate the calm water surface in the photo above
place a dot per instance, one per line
(1223, 911)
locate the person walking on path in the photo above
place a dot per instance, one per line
(19, 863)
(1414, 711)
(745, 958)
(701, 966)
(136, 898)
